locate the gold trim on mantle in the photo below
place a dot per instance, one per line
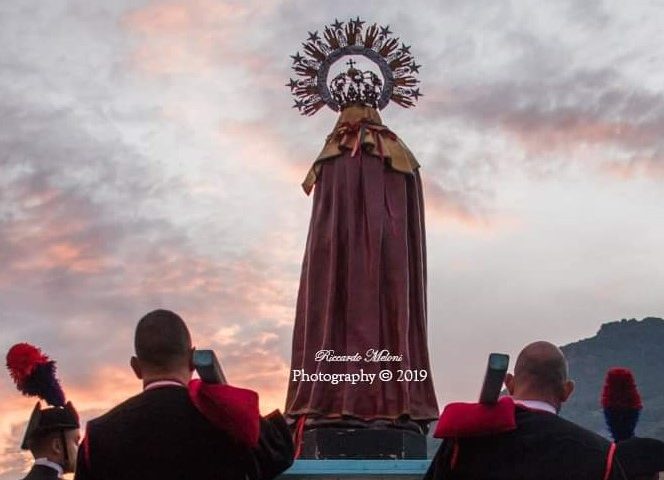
(361, 127)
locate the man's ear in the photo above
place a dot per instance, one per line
(568, 388)
(56, 445)
(136, 367)
(509, 383)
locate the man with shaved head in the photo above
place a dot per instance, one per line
(169, 432)
(523, 437)
(540, 377)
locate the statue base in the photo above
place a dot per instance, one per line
(363, 443)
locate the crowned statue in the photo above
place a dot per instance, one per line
(360, 356)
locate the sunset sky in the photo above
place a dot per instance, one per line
(150, 157)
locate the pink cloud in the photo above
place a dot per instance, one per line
(242, 308)
(266, 150)
(179, 17)
(194, 36)
(106, 284)
(160, 19)
(51, 231)
(567, 132)
(445, 206)
(62, 255)
(592, 117)
(451, 208)
(649, 166)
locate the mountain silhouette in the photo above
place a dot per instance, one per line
(633, 344)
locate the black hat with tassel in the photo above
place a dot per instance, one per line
(34, 375)
(638, 457)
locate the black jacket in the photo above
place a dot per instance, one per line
(544, 446)
(160, 434)
(42, 472)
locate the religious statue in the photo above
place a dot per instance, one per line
(360, 356)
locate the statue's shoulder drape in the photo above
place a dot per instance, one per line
(361, 127)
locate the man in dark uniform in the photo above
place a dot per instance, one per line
(161, 433)
(52, 437)
(641, 458)
(539, 444)
(52, 433)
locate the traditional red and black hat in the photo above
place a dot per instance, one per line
(34, 375)
(621, 403)
(622, 406)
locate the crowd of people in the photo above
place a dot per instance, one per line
(179, 428)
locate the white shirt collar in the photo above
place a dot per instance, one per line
(537, 405)
(47, 463)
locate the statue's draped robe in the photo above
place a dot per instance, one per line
(363, 281)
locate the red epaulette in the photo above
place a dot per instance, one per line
(475, 419)
(231, 409)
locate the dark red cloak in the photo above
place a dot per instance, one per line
(363, 281)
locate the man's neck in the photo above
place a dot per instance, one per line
(172, 377)
(530, 395)
(537, 405)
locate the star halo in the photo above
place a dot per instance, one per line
(341, 39)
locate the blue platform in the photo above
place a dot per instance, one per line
(352, 469)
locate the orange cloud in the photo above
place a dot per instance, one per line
(103, 388)
(111, 384)
(241, 305)
(62, 255)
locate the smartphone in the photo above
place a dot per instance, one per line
(208, 368)
(494, 377)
